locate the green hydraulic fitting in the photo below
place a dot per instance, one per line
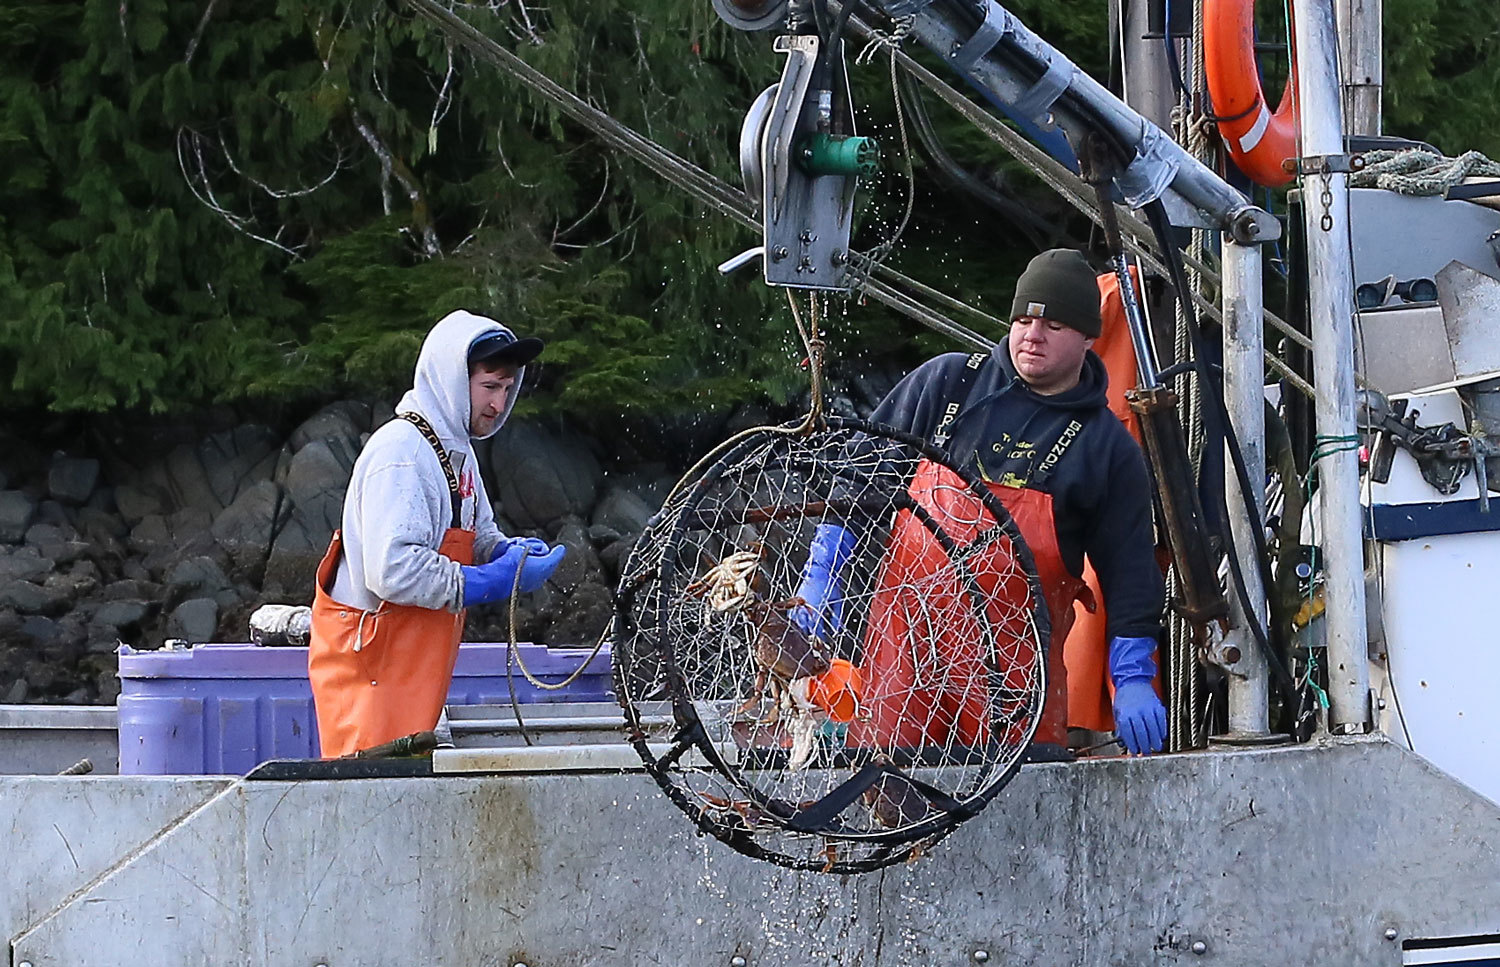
(824, 154)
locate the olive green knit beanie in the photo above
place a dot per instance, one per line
(1059, 286)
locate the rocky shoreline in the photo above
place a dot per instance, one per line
(175, 531)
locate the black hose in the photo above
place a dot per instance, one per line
(833, 48)
(822, 76)
(1038, 231)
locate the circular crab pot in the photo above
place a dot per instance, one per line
(853, 732)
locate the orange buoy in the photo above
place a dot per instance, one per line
(1258, 139)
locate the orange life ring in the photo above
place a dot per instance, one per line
(1258, 140)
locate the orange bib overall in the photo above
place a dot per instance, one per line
(1086, 652)
(379, 675)
(930, 676)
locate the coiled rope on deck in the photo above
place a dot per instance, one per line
(1418, 172)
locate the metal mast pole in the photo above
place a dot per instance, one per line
(1244, 397)
(1325, 196)
(1359, 26)
(1148, 86)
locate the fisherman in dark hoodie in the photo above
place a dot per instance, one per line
(1031, 420)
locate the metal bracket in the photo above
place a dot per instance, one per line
(1037, 102)
(1150, 172)
(805, 218)
(785, 118)
(1324, 164)
(966, 54)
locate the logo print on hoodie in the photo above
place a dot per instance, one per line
(465, 474)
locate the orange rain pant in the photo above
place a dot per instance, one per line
(379, 675)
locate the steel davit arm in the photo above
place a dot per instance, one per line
(998, 53)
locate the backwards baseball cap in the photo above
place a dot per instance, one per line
(502, 347)
(1059, 285)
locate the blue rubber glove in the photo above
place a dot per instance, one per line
(535, 546)
(493, 581)
(1140, 717)
(538, 567)
(823, 613)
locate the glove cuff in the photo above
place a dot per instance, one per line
(1132, 659)
(832, 546)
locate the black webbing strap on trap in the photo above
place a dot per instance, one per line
(818, 816)
(425, 428)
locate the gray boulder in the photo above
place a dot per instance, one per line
(136, 501)
(44, 635)
(623, 512)
(541, 477)
(582, 616)
(190, 530)
(603, 535)
(186, 481)
(247, 528)
(613, 556)
(16, 513)
(236, 460)
(580, 563)
(24, 564)
(71, 480)
(131, 588)
(38, 535)
(151, 534)
(194, 620)
(95, 523)
(195, 576)
(651, 482)
(122, 617)
(345, 420)
(315, 484)
(27, 598)
(74, 584)
(59, 542)
(316, 481)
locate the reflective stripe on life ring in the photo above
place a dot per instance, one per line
(1258, 139)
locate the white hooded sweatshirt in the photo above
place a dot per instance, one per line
(397, 506)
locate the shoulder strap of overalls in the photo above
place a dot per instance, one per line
(958, 394)
(1063, 431)
(425, 428)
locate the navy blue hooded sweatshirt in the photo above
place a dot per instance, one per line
(1101, 491)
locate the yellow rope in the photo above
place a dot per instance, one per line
(515, 591)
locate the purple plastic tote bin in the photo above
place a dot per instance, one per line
(222, 709)
(215, 709)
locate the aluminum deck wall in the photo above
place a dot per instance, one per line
(1302, 855)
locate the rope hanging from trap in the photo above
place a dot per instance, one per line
(860, 746)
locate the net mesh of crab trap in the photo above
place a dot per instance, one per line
(861, 744)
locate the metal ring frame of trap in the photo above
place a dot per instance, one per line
(655, 669)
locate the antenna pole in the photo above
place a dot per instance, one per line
(1359, 27)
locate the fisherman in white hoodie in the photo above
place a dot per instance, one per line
(388, 609)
